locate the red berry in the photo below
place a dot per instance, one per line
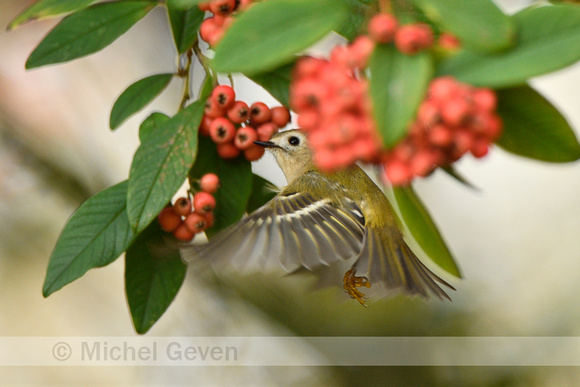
(182, 206)
(398, 173)
(224, 96)
(168, 219)
(361, 49)
(212, 109)
(222, 7)
(215, 36)
(182, 233)
(209, 219)
(484, 99)
(244, 4)
(422, 163)
(455, 111)
(259, 113)
(254, 152)
(280, 116)
(207, 28)
(428, 114)
(382, 27)
(479, 147)
(448, 41)
(239, 112)
(266, 131)
(203, 203)
(227, 150)
(205, 125)
(195, 222)
(245, 138)
(412, 38)
(222, 130)
(209, 182)
(441, 135)
(443, 88)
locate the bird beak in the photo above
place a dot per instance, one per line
(267, 144)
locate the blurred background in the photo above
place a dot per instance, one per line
(516, 239)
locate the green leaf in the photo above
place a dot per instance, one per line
(270, 33)
(261, 194)
(161, 164)
(184, 26)
(184, 4)
(47, 8)
(398, 85)
(534, 128)
(88, 31)
(276, 82)
(137, 96)
(235, 184)
(96, 234)
(424, 230)
(479, 24)
(154, 273)
(549, 38)
(151, 125)
(451, 171)
(357, 15)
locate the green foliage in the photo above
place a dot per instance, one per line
(161, 164)
(47, 8)
(262, 193)
(488, 30)
(96, 234)
(154, 273)
(398, 85)
(276, 82)
(548, 40)
(270, 33)
(534, 128)
(137, 96)
(424, 230)
(184, 26)
(88, 31)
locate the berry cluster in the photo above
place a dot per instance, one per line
(234, 126)
(213, 28)
(334, 108)
(185, 220)
(454, 119)
(409, 38)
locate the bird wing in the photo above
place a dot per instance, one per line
(293, 230)
(386, 260)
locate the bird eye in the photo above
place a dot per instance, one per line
(293, 140)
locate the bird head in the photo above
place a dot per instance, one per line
(292, 152)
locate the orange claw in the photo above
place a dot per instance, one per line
(352, 282)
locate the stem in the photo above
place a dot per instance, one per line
(184, 72)
(385, 6)
(204, 61)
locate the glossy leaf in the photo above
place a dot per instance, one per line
(270, 33)
(261, 194)
(149, 127)
(424, 230)
(548, 40)
(451, 171)
(276, 82)
(154, 273)
(534, 128)
(479, 24)
(398, 85)
(137, 96)
(96, 234)
(88, 31)
(161, 164)
(235, 184)
(184, 26)
(47, 8)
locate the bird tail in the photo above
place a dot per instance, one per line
(388, 262)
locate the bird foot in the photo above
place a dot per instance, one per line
(352, 282)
